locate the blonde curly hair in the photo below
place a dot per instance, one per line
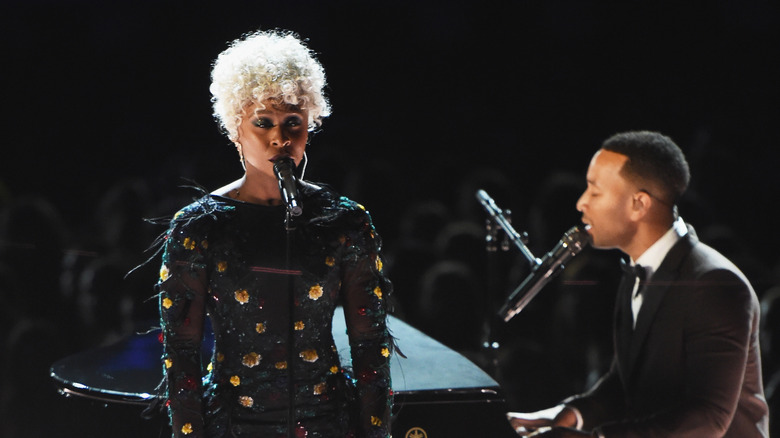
(267, 65)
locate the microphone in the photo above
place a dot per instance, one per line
(283, 169)
(574, 241)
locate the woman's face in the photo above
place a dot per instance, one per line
(267, 134)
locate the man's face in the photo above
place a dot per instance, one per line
(607, 203)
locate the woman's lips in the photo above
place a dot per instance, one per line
(278, 157)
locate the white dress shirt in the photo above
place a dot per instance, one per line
(651, 259)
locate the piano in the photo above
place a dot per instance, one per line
(438, 391)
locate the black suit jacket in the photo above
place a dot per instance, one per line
(691, 367)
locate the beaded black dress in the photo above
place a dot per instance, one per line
(270, 294)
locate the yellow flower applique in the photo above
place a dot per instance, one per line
(315, 292)
(168, 363)
(189, 243)
(281, 365)
(309, 355)
(251, 360)
(330, 261)
(260, 327)
(221, 266)
(376, 421)
(378, 292)
(165, 273)
(320, 388)
(242, 296)
(299, 325)
(187, 428)
(235, 380)
(385, 352)
(167, 303)
(246, 401)
(379, 264)
(334, 369)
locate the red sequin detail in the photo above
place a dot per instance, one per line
(189, 384)
(160, 337)
(301, 432)
(367, 376)
(362, 311)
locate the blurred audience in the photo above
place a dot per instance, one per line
(65, 287)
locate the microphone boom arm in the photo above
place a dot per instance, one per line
(498, 216)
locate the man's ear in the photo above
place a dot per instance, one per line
(642, 203)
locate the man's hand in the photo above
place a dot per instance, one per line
(539, 423)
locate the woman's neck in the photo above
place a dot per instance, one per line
(257, 188)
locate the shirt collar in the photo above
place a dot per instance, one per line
(652, 257)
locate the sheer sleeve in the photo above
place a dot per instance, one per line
(365, 291)
(182, 289)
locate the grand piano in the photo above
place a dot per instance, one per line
(438, 392)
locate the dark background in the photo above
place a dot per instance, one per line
(107, 112)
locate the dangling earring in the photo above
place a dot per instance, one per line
(305, 162)
(241, 156)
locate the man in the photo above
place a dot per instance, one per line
(686, 354)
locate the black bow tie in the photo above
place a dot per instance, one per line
(636, 271)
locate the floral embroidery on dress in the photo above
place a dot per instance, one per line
(221, 259)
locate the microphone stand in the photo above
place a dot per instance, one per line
(290, 329)
(498, 220)
(490, 324)
(283, 170)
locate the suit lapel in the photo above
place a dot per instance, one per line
(655, 290)
(623, 323)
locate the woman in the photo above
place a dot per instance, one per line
(269, 281)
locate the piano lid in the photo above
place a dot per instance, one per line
(130, 370)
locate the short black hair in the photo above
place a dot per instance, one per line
(654, 162)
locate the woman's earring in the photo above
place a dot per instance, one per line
(241, 156)
(305, 162)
